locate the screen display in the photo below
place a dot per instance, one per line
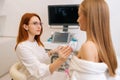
(59, 37)
(63, 14)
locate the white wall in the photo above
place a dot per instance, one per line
(12, 10)
(114, 21)
(7, 55)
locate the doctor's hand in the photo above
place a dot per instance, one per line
(64, 52)
(53, 51)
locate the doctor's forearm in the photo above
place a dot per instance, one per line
(56, 64)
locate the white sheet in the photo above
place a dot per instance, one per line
(87, 70)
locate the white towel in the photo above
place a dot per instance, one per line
(88, 70)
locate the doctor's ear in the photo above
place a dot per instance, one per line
(25, 27)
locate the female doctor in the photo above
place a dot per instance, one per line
(30, 50)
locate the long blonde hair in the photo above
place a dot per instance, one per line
(22, 33)
(98, 28)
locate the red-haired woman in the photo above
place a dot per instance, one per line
(30, 50)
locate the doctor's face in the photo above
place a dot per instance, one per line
(34, 26)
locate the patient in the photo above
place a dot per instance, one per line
(96, 59)
(30, 50)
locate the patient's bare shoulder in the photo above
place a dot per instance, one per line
(88, 51)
